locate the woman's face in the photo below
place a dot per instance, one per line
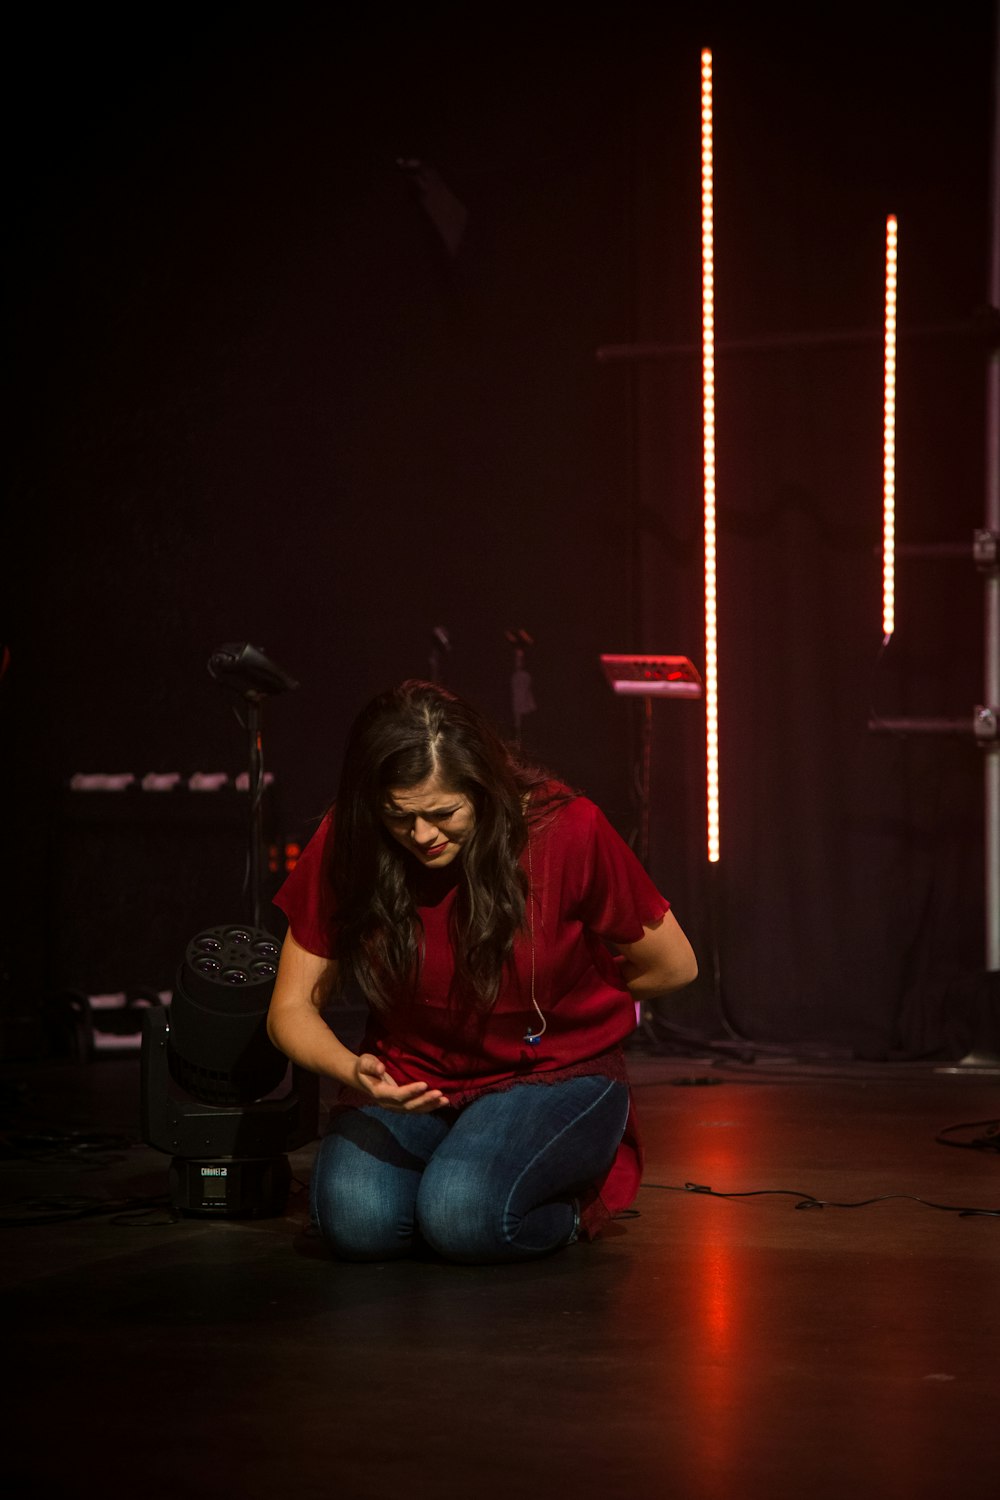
(430, 820)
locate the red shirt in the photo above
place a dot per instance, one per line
(587, 889)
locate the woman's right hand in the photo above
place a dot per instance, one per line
(371, 1078)
(296, 1026)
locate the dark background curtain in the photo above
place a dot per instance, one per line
(261, 393)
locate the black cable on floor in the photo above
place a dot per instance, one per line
(62, 1208)
(807, 1200)
(988, 1142)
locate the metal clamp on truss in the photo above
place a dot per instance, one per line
(985, 724)
(986, 550)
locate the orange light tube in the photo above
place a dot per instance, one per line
(708, 429)
(889, 436)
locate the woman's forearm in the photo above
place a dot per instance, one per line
(295, 1022)
(646, 984)
(304, 1037)
(661, 961)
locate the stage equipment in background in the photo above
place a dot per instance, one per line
(245, 670)
(440, 650)
(658, 677)
(982, 329)
(889, 436)
(649, 677)
(982, 726)
(708, 452)
(209, 1070)
(652, 676)
(85, 1027)
(210, 1076)
(143, 855)
(522, 695)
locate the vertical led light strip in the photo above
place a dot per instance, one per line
(708, 422)
(889, 438)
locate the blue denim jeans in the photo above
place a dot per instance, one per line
(494, 1181)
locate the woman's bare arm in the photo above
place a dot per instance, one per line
(662, 960)
(296, 1027)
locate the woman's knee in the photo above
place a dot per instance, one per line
(356, 1220)
(464, 1215)
(353, 1232)
(457, 1214)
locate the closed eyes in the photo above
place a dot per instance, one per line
(439, 815)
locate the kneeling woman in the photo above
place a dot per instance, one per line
(501, 932)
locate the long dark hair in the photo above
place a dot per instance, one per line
(403, 736)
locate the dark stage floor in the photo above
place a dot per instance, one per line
(707, 1347)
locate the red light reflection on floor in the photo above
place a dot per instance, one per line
(718, 1291)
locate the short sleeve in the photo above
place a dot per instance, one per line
(615, 897)
(306, 896)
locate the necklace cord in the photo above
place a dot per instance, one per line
(533, 1036)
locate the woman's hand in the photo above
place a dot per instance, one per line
(296, 1026)
(371, 1078)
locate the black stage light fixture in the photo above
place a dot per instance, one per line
(211, 1079)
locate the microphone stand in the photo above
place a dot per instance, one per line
(255, 790)
(522, 697)
(244, 669)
